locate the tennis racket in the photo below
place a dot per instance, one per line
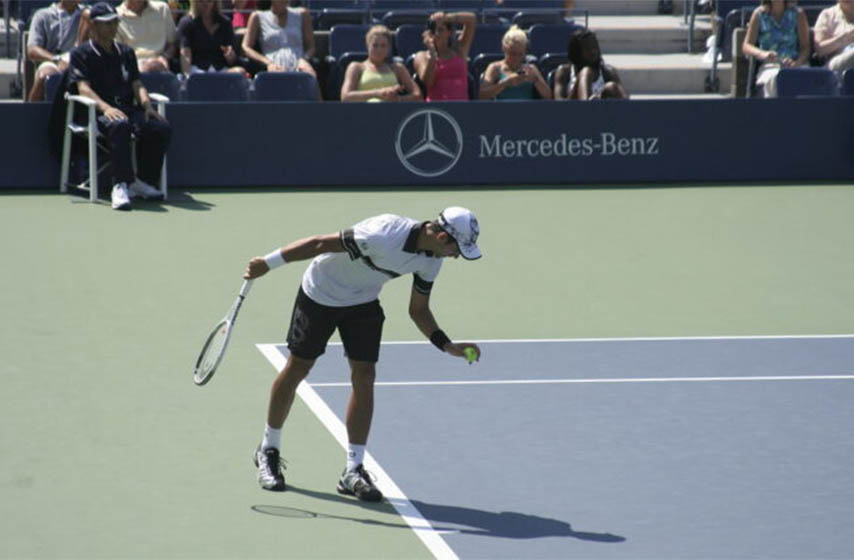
(214, 348)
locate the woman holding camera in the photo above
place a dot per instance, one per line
(375, 78)
(512, 77)
(442, 67)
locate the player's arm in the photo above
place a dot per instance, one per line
(301, 250)
(110, 112)
(422, 316)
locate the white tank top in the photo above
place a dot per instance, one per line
(282, 45)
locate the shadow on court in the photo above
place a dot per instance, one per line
(183, 200)
(505, 524)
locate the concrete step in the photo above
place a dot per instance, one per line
(647, 34)
(672, 74)
(618, 7)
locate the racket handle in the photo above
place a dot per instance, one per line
(244, 289)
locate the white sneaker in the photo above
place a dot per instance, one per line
(141, 189)
(121, 200)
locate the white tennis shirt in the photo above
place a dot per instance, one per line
(377, 250)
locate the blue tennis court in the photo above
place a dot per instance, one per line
(618, 448)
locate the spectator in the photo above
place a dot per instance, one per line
(207, 39)
(376, 78)
(586, 76)
(148, 28)
(513, 78)
(777, 36)
(106, 71)
(442, 67)
(283, 35)
(834, 35)
(55, 30)
(240, 16)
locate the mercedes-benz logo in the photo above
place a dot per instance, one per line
(429, 142)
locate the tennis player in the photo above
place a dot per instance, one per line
(339, 290)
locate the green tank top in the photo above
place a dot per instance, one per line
(371, 79)
(525, 90)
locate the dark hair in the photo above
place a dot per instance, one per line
(431, 27)
(574, 47)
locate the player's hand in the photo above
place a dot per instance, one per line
(770, 56)
(257, 267)
(459, 349)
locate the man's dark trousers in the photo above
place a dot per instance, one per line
(152, 140)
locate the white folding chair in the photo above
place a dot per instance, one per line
(90, 132)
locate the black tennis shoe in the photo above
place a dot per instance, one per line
(269, 469)
(357, 482)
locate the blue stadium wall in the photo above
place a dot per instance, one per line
(335, 144)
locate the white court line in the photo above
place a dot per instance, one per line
(395, 496)
(595, 381)
(631, 339)
(641, 339)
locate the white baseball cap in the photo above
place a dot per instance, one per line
(461, 224)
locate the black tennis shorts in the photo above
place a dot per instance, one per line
(312, 324)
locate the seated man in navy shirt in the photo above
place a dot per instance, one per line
(107, 73)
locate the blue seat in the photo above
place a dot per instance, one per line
(480, 62)
(395, 18)
(550, 61)
(848, 82)
(332, 17)
(335, 79)
(382, 6)
(347, 38)
(217, 87)
(544, 39)
(408, 40)
(796, 82)
(533, 4)
(164, 83)
(487, 39)
(528, 18)
(285, 86)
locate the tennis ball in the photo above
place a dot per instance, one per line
(470, 354)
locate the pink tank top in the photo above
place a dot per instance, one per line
(451, 80)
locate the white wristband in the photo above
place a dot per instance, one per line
(274, 259)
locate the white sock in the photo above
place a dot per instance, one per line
(272, 438)
(355, 455)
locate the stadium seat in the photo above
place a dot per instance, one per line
(329, 18)
(217, 87)
(487, 39)
(337, 72)
(550, 61)
(285, 86)
(347, 38)
(395, 18)
(164, 83)
(89, 131)
(527, 18)
(797, 82)
(408, 40)
(848, 82)
(480, 62)
(544, 39)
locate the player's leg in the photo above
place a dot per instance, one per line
(311, 326)
(361, 331)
